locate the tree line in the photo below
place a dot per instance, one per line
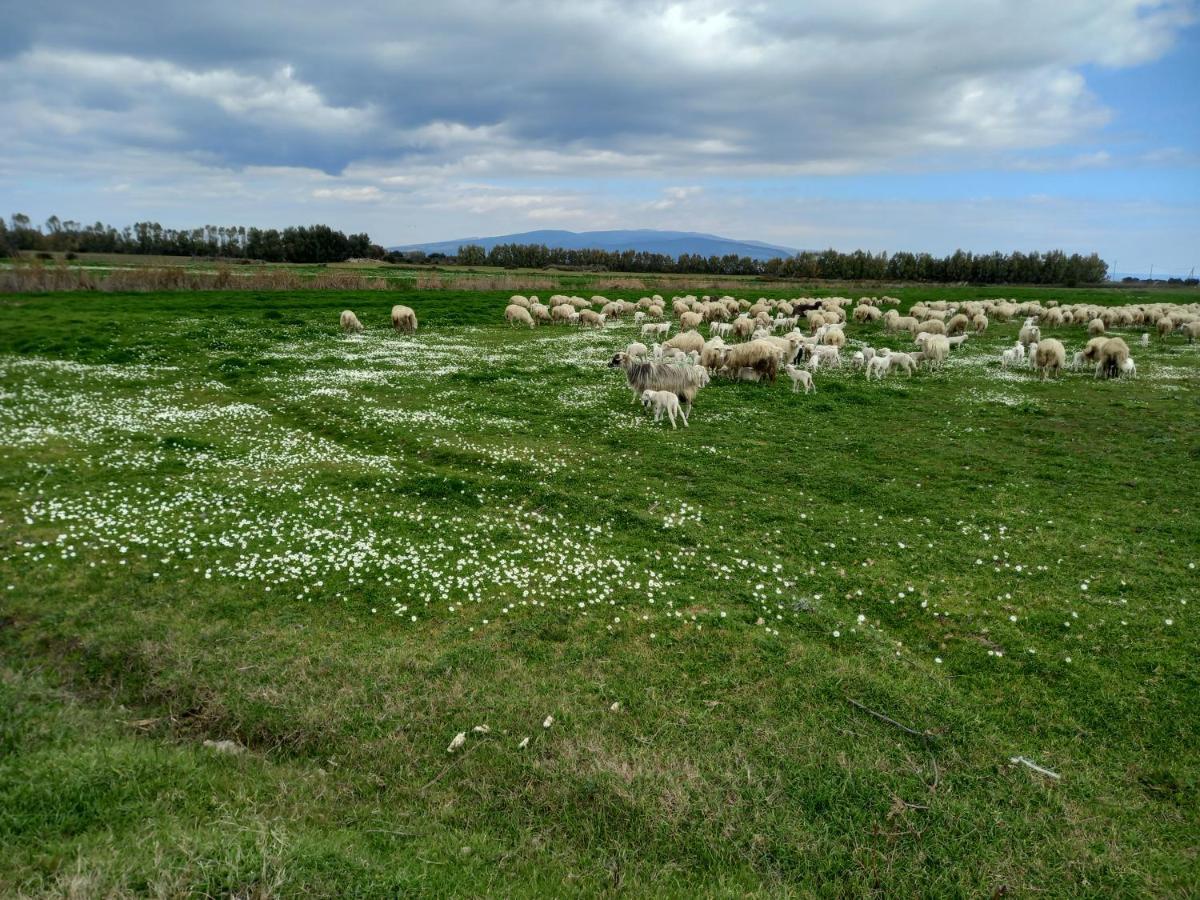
(300, 244)
(320, 244)
(1054, 267)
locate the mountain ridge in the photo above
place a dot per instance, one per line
(648, 240)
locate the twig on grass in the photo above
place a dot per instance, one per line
(454, 762)
(925, 735)
(1030, 764)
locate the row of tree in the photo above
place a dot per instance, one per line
(320, 243)
(1055, 267)
(303, 244)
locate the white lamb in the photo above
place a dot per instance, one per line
(1129, 368)
(656, 328)
(664, 401)
(800, 377)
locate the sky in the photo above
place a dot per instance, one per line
(923, 125)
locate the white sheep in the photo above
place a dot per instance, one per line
(656, 328)
(1129, 368)
(518, 315)
(637, 350)
(349, 322)
(664, 401)
(800, 377)
(404, 319)
(1145, 341)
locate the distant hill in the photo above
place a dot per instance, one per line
(671, 243)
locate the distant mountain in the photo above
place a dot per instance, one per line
(671, 243)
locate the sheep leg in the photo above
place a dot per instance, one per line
(683, 415)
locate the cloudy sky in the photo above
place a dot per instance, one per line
(882, 124)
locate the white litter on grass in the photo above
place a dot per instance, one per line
(229, 748)
(548, 722)
(1030, 764)
(459, 740)
(481, 729)
(524, 743)
(616, 707)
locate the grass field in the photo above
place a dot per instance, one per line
(222, 520)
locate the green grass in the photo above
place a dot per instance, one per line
(224, 521)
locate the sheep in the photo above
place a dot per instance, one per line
(713, 354)
(957, 340)
(683, 381)
(904, 361)
(834, 337)
(519, 300)
(1095, 327)
(404, 319)
(690, 320)
(858, 360)
(540, 312)
(656, 328)
(566, 313)
(1033, 355)
(687, 341)
(1145, 341)
(1051, 357)
(800, 377)
(1113, 354)
(936, 350)
(655, 312)
(762, 356)
(350, 323)
(933, 326)
(591, 318)
(747, 374)
(664, 401)
(518, 315)
(638, 317)
(637, 350)
(1129, 368)
(743, 326)
(1091, 352)
(1078, 360)
(957, 324)
(830, 356)
(1029, 334)
(980, 323)
(1192, 330)
(1011, 357)
(1165, 326)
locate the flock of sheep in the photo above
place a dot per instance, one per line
(765, 337)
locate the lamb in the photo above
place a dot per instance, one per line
(878, 367)
(1051, 357)
(903, 361)
(638, 317)
(1145, 341)
(404, 319)
(566, 313)
(1011, 357)
(637, 350)
(720, 328)
(1033, 355)
(762, 356)
(1113, 354)
(656, 328)
(350, 323)
(858, 360)
(1129, 368)
(958, 339)
(664, 401)
(518, 315)
(800, 377)
(1029, 334)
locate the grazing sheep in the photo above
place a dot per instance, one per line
(590, 318)
(1029, 334)
(404, 319)
(540, 312)
(1113, 354)
(1129, 368)
(687, 341)
(980, 323)
(1192, 330)
(743, 326)
(566, 313)
(1095, 327)
(933, 326)
(664, 401)
(350, 323)
(957, 324)
(655, 312)
(690, 320)
(904, 361)
(834, 337)
(1165, 326)
(762, 356)
(518, 315)
(656, 328)
(1051, 357)
(519, 300)
(800, 377)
